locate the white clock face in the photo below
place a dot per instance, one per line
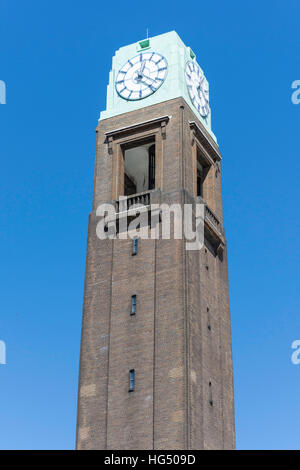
(198, 88)
(141, 76)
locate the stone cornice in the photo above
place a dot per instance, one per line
(162, 120)
(205, 139)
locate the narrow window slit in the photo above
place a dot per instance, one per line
(133, 305)
(210, 395)
(208, 319)
(135, 246)
(131, 380)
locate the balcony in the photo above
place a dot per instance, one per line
(124, 204)
(213, 228)
(212, 218)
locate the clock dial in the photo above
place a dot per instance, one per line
(141, 76)
(198, 88)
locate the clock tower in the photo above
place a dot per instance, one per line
(155, 361)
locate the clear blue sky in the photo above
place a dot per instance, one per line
(55, 57)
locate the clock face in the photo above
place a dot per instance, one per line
(198, 88)
(141, 76)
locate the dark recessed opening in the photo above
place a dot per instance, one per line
(131, 380)
(202, 170)
(133, 305)
(139, 166)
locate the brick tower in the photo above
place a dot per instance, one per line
(156, 363)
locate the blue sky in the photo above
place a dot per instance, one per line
(55, 58)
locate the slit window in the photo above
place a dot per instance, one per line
(133, 305)
(131, 380)
(210, 395)
(135, 246)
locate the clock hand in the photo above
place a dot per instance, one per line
(140, 72)
(143, 66)
(201, 81)
(148, 78)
